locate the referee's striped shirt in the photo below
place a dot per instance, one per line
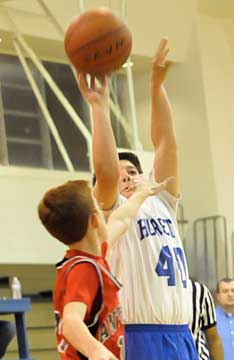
(204, 317)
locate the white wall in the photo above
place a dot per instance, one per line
(23, 238)
(217, 54)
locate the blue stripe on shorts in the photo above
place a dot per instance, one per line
(159, 342)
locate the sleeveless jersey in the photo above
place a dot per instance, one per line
(150, 263)
(87, 279)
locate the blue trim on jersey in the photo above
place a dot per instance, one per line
(159, 342)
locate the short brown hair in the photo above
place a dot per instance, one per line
(132, 158)
(127, 156)
(226, 280)
(65, 211)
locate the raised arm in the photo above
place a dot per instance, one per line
(105, 157)
(162, 128)
(120, 219)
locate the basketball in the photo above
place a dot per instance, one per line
(98, 42)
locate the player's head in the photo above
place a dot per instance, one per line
(130, 171)
(68, 210)
(225, 293)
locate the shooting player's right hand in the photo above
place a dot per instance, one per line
(97, 92)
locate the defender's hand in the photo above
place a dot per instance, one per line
(149, 187)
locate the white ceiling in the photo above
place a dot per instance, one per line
(217, 8)
(67, 8)
(147, 23)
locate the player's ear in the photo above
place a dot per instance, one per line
(94, 220)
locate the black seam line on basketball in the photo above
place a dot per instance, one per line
(106, 63)
(112, 58)
(96, 40)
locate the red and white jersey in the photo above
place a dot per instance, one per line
(149, 261)
(87, 279)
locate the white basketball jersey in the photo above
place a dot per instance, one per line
(150, 263)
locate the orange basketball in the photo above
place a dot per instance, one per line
(98, 42)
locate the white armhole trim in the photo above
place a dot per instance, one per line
(99, 268)
(80, 260)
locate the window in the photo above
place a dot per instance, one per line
(28, 141)
(72, 138)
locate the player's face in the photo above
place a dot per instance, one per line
(129, 178)
(225, 295)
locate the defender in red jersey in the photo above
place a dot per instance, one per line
(86, 305)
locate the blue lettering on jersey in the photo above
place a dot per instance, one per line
(151, 227)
